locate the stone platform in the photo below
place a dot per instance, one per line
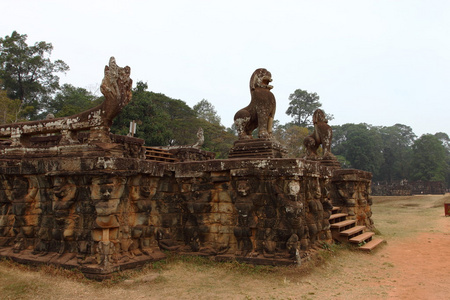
(90, 268)
(257, 148)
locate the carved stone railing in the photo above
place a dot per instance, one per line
(116, 87)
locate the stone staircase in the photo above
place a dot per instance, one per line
(346, 231)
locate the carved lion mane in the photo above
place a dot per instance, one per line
(261, 110)
(322, 135)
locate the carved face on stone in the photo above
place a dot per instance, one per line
(313, 189)
(243, 188)
(261, 79)
(148, 187)
(143, 188)
(20, 188)
(106, 192)
(294, 188)
(64, 190)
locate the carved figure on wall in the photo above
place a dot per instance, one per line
(64, 194)
(26, 209)
(142, 190)
(346, 197)
(291, 225)
(322, 135)
(314, 215)
(243, 230)
(106, 192)
(261, 110)
(6, 216)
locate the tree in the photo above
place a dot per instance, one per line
(445, 140)
(359, 144)
(9, 109)
(302, 106)
(217, 138)
(429, 159)
(205, 110)
(27, 73)
(397, 142)
(291, 137)
(163, 121)
(153, 121)
(182, 120)
(71, 100)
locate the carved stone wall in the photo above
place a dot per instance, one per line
(253, 209)
(351, 192)
(104, 214)
(407, 188)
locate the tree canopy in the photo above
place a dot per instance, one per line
(360, 144)
(302, 106)
(163, 121)
(9, 109)
(70, 100)
(205, 110)
(27, 73)
(429, 159)
(397, 141)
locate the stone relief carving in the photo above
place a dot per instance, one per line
(6, 215)
(144, 218)
(106, 193)
(64, 194)
(26, 209)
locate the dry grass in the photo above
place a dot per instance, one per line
(342, 273)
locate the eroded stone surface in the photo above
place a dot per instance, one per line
(261, 110)
(322, 135)
(113, 211)
(352, 193)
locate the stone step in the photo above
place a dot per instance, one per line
(365, 237)
(335, 210)
(353, 231)
(371, 245)
(343, 225)
(334, 218)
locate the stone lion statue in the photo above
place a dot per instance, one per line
(322, 134)
(261, 110)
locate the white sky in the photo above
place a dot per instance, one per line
(380, 62)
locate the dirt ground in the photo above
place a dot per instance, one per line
(422, 261)
(413, 264)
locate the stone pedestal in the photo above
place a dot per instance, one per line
(330, 162)
(257, 148)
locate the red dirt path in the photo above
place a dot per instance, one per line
(423, 265)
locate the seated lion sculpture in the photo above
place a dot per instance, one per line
(322, 135)
(261, 110)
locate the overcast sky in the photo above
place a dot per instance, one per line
(379, 62)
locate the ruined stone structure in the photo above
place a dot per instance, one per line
(75, 195)
(408, 188)
(351, 192)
